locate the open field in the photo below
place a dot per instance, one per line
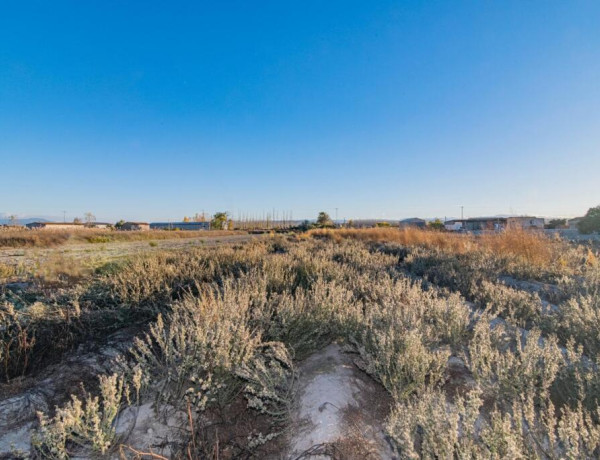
(22, 238)
(75, 258)
(345, 344)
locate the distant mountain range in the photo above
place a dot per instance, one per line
(4, 220)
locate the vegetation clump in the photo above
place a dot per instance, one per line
(590, 223)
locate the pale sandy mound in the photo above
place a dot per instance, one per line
(340, 410)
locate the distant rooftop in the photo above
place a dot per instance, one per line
(58, 223)
(412, 219)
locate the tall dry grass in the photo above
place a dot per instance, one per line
(22, 238)
(532, 247)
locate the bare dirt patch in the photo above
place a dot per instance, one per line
(340, 410)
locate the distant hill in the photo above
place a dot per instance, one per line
(24, 221)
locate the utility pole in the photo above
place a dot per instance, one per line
(462, 216)
(336, 215)
(65, 216)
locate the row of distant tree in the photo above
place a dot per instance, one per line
(219, 220)
(88, 218)
(325, 221)
(590, 223)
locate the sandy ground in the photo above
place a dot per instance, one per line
(340, 410)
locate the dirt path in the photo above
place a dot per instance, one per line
(340, 410)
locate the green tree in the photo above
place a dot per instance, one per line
(590, 222)
(119, 224)
(323, 220)
(557, 223)
(437, 224)
(382, 224)
(305, 225)
(219, 221)
(13, 219)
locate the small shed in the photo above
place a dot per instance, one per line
(453, 225)
(180, 225)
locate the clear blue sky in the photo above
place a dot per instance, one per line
(156, 110)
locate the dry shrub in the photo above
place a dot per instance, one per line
(202, 337)
(402, 362)
(505, 374)
(591, 259)
(578, 316)
(427, 426)
(205, 354)
(6, 271)
(60, 268)
(88, 422)
(17, 342)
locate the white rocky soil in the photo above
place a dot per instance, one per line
(340, 409)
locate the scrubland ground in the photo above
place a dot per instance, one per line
(441, 346)
(24, 238)
(76, 258)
